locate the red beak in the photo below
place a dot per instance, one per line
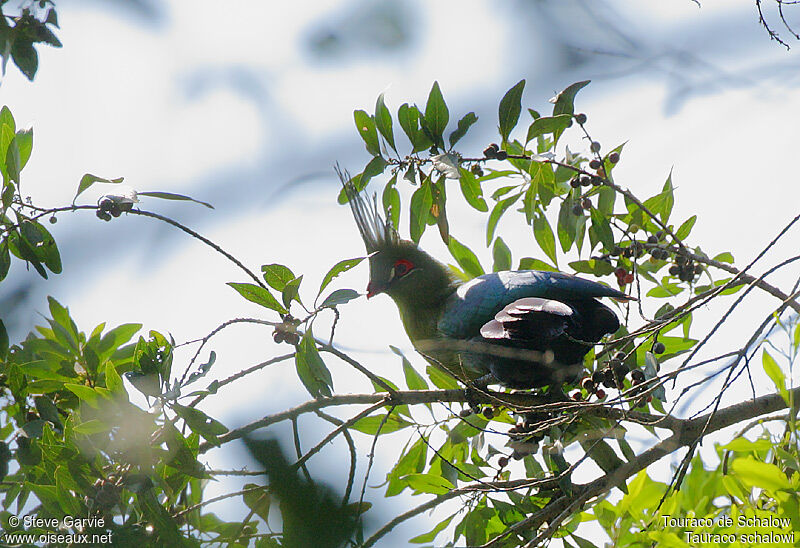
(374, 289)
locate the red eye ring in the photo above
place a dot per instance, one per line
(402, 267)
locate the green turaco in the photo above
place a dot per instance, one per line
(523, 329)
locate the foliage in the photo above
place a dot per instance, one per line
(20, 33)
(74, 444)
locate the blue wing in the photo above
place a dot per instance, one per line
(476, 302)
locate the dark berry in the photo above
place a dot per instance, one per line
(53, 220)
(674, 270)
(620, 272)
(628, 278)
(617, 251)
(652, 239)
(595, 147)
(619, 356)
(586, 203)
(577, 396)
(577, 209)
(502, 155)
(580, 118)
(491, 151)
(613, 157)
(502, 462)
(621, 370)
(597, 377)
(595, 164)
(465, 413)
(488, 412)
(596, 181)
(698, 269)
(600, 393)
(658, 347)
(660, 234)
(588, 384)
(586, 180)
(637, 375)
(575, 182)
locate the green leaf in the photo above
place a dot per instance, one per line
(743, 445)
(602, 229)
(567, 226)
(259, 295)
(463, 125)
(428, 483)
(25, 143)
(414, 380)
(370, 425)
(374, 168)
(25, 57)
(683, 231)
(760, 474)
(441, 379)
(510, 108)
(497, 212)
(291, 292)
(89, 179)
(257, 501)
(501, 255)
(338, 268)
(409, 118)
(724, 257)
(466, 258)
(13, 160)
(5, 259)
(661, 204)
(93, 426)
(391, 202)
(173, 196)
(366, 127)
(85, 394)
(4, 342)
(41, 242)
(471, 189)
(436, 114)
(602, 453)
(383, 120)
(340, 296)
(548, 124)
(201, 423)
(421, 202)
(431, 535)
(277, 276)
(544, 237)
(774, 372)
(529, 263)
(563, 103)
(592, 266)
(311, 369)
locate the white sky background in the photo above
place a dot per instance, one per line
(227, 103)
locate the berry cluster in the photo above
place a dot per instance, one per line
(685, 269)
(493, 152)
(109, 207)
(287, 331)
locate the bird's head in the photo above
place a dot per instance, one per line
(396, 267)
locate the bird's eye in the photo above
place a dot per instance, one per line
(401, 268)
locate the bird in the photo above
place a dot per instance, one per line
(523, 329)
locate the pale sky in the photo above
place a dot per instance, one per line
(227, 103)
